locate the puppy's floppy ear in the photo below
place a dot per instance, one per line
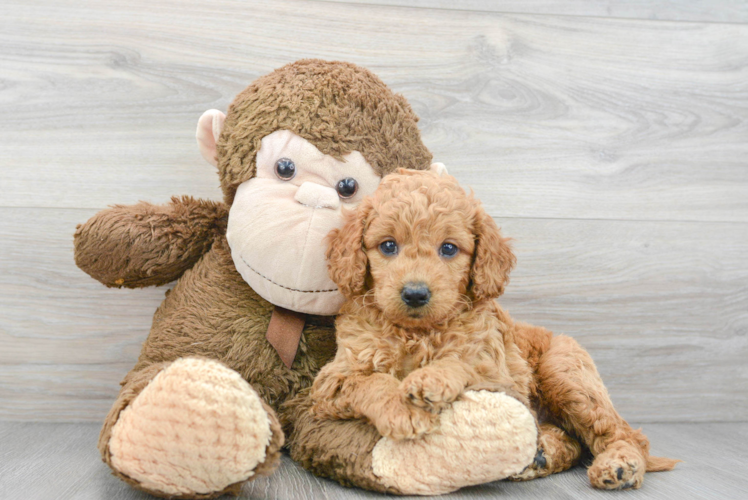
(493, 258)
(346, 258)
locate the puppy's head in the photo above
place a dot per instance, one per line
(421, 250)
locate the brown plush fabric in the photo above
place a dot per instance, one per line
(168, 240)
(340, 450)
(211, 312)
(339, 107)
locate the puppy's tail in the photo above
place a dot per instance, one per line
(657, 464)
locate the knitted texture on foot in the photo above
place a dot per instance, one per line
(198, 427)
(483, 437)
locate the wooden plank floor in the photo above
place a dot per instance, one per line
(60, 461)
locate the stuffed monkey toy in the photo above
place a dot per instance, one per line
(223, 379)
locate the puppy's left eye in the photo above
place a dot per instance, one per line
(448, 250)
(388, 247)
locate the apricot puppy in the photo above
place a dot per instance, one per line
(420, 263)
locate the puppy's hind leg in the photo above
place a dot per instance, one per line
(557, 452)
(572, 390)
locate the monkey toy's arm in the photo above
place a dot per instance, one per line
(148, 245)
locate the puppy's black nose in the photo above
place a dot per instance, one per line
(416, 294)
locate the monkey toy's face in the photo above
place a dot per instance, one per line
(280, 218)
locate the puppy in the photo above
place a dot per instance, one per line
(420, 263)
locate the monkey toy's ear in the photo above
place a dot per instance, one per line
(439, 169)
(346, 258)
(209, 128)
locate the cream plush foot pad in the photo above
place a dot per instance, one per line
(198, 427)
(484, 437)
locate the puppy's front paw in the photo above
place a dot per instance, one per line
(431, 389)
(402, 421)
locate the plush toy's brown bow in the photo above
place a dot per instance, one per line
(284, 333)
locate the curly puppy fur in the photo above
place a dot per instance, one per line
(398, 365)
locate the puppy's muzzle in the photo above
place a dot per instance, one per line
(415, 294)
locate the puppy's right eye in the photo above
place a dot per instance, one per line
(388, 247)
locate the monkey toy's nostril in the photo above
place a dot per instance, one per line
(416, 294)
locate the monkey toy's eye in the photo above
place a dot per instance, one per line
(285, 169)
(347, 187)
(448, 250)
(388, 247)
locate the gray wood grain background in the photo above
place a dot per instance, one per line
(610, 139)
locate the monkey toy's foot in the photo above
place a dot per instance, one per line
(483, 437)
(196, 431)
